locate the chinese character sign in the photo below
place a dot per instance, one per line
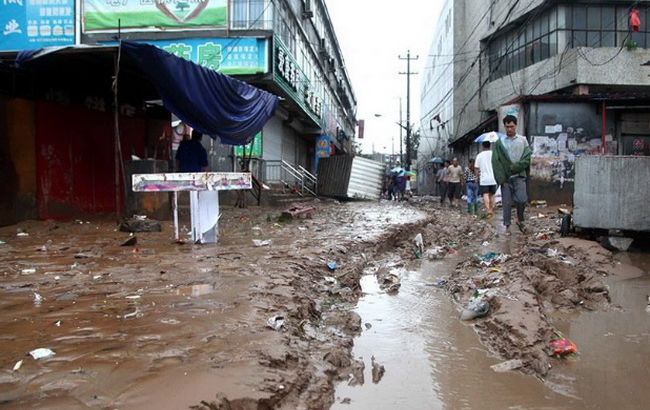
(32, 24)
(232, 56)
(153, 15)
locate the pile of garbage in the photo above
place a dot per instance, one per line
(509, 299)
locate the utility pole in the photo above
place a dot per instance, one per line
(408, 74)
(401, 126)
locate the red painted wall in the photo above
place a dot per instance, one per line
(75, 158)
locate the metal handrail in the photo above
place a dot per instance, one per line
(308, 174)
(313, 181)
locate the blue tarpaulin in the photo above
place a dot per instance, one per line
(210, 102)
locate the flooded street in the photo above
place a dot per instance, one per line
(433, 360)
(162, 325)
(168, 326)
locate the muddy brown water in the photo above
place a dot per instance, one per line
(159, 325)
(434, 361)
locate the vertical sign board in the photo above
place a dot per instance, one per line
(33, 24)
(322, 150)
(153, 15)
(291, 78)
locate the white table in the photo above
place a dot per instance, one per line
(204, 190)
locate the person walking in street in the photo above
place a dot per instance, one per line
(454, 176)
(191, 155)
(441, 179)
(471, 187)
(510, 164)
(487, 184)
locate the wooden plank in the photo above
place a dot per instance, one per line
(192, 181)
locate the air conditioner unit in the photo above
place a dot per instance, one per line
(307, 10)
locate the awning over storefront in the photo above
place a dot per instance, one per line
(210, 102)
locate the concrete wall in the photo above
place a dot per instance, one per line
(621, 68)
(17, 161)
(612, 193)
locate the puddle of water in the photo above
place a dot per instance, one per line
(433, 360)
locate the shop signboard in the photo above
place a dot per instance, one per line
(32, 24)
(256, 145)
(153, 15)
(231, 56)
(322, 149)
(294, 82)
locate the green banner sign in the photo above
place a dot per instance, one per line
(257, 148)
(153, 15)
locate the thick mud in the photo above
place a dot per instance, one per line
(546, 285)
(241, 326)
(162, 325)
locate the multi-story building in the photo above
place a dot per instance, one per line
(58, 109)
(575, 73)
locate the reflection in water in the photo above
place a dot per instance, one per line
(433, 360)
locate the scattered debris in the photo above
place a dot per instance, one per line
(17, 366)
(617, 243)
(135, 313)
(476, 308)
(538, 204)
(22, 234)
(440, 283)
(82, 255)
(562, 347)
(140, 223)
(260, 243)
(275, 322)
(2, 242)
(491, 258)
(552, 253)
(38, 299)
(368, 326)
(131, 241)
(28, 271)
(331, 265)
(419, 245)
(296, 211)
(437, 252)
(507, 366)
(42, 353)
(378, 370)
(133, 297)
(57, 323)
(388, 282)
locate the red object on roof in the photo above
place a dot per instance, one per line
(635, 20)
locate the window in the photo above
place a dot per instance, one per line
(565, 25)
(249, 14)
(604, 26)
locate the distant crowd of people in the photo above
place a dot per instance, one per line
(505, 163)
